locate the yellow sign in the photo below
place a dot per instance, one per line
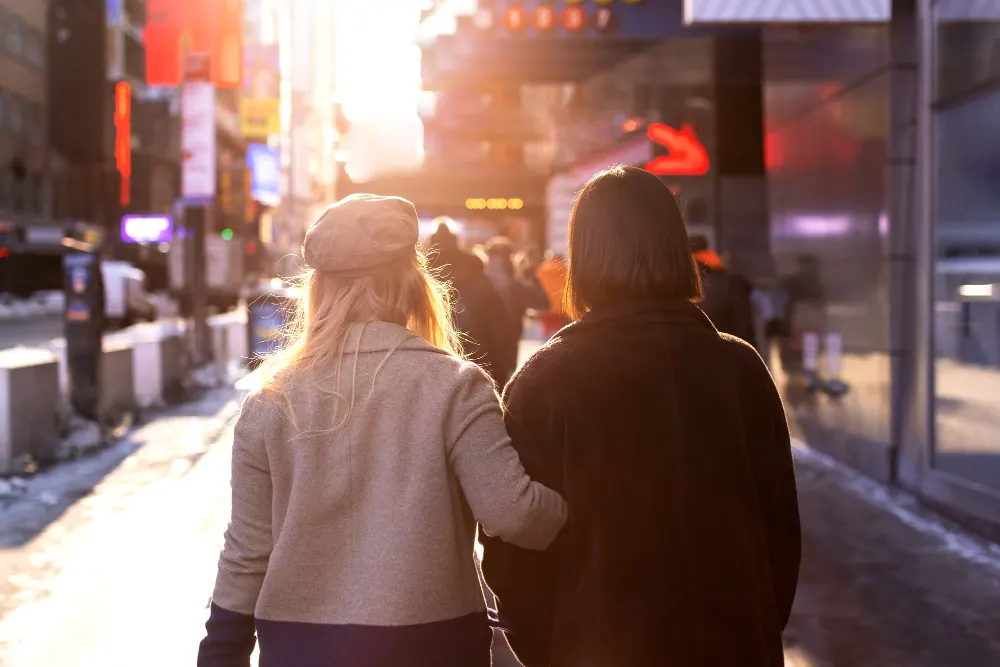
(260, 118)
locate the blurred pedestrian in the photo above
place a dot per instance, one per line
(725, 294)
(552, 276)
(477, 309)
(520, 291)
(360, 468)
(668, 441)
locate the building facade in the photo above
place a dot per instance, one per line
(25, 187)
(882, 137)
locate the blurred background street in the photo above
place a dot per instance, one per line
(161, 160)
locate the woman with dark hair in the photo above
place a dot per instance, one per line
(669, 442)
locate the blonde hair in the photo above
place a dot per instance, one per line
(326, 305)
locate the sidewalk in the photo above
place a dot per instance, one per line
(885, 582)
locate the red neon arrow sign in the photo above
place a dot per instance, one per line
(687, 157)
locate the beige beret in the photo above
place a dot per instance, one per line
(360, 234)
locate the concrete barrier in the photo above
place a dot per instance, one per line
(29, 406)
(117, 382)
(229, 344)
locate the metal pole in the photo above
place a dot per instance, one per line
(197, 219)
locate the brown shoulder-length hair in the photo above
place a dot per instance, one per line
(627, 242)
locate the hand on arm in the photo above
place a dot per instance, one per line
(503, 499)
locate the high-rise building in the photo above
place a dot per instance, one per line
(25, 192)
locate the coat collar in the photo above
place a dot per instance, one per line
(383, 337)
(648, 310)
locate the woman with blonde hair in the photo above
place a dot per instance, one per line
(361, 466)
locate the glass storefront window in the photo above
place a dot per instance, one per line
(967, 275)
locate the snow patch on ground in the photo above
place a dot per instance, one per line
(904, 507)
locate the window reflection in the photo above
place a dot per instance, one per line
(967, 288)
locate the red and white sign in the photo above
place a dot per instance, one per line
(198, 142)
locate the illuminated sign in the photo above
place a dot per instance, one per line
(545, 18)
(494, 204)
(574, 18)
(514, 18)
(147, 229)
(605, 20)
(687, 156)
(483, 19)
(123, 139)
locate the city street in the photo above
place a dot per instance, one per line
(109, 561)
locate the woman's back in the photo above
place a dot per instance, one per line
(360, 469)
(662, 434)
(366, 502)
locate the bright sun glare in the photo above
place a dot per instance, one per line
(378, 64)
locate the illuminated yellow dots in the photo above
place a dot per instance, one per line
(494, 203)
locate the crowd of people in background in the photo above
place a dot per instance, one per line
(496, 285)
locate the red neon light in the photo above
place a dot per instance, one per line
(545, 18)
(4, 253)
(123, 138)
(687, 157)
(514, 18)
(574, 19)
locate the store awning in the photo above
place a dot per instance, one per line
(787, 11)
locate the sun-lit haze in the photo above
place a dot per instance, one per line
(378, 82)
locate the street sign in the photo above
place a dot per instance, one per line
(198, 142)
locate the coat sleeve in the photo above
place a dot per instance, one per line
(503, 499)
(230, 637)
(776, 490)
(525, 583)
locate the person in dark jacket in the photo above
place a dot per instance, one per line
(669, 442)
(726, 296)
(477, 308)
(520, 291)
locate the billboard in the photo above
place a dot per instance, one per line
(178, 27)
(265, 174)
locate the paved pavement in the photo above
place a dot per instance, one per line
(109, 561)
